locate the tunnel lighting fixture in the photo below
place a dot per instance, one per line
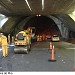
(2, 15)
(38, 15)
(42, 4)
(3, 19)
(28, 5)
(73, 12)
(10, 1)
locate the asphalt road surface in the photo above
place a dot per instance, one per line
(37, 59)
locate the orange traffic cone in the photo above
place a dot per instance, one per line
(52, 55)
(51, 46)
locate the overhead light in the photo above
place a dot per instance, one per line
(2, 15)
(42, 4)
(10, 1)
(28, 5)
(3, 19)
(38, 15)
(73, 12)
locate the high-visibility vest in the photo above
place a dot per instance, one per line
(4, 40)
(0, 40)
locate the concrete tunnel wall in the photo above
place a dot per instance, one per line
(17, 24)
(10, 24)
(68, 22)
(21, 25)
(62, 28)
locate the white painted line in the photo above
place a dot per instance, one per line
(70, 48)
(11, 45)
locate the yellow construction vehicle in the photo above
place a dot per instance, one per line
(23, 41)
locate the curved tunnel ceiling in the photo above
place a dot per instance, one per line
(66, 20)
(56, 8)
(44, 7)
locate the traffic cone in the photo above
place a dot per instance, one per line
(52, 55)
(51, 46)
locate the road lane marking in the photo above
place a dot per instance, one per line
(70, 48)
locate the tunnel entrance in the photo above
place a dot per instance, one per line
(43, 25)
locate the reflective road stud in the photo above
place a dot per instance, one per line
(52, 55)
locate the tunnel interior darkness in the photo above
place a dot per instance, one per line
(43, 25)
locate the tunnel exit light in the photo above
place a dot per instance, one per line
(28, 5)
(42, 4)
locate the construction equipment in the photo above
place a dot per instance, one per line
(23, 41)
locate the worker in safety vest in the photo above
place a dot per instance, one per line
(37, 37)
(12, 39)
(40, 38)
(0, 39)
(4, 45)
